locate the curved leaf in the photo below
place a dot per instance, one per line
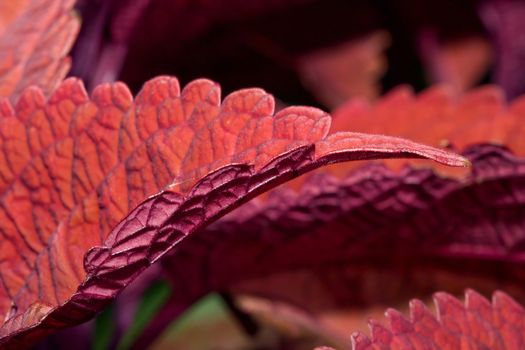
(439, 117)
(477, 324)
(375, 227)
(35, 37)
(376, 236)
(80, 177)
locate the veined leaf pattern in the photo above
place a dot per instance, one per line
(35, 38)
(79, 175)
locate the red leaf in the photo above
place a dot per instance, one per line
(77, 170)
(372, 237)
(438, 117)
(35, 37)
(477, 324)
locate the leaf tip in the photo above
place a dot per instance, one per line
(453, 159)
(466, 163)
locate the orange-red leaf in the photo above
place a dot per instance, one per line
(439, 117)
(35, 38)
(477, 324)
(79, 212)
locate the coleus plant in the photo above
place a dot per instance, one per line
(97, 188)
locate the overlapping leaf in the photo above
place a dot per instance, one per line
(439, 117)
(348, 228)
(75, 169)
(35, 37)
(477, 324)
(372, 237)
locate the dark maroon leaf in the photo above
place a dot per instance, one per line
(375, 236)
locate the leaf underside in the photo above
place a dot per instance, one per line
(347, 238)
(81, 178)
(348, 228)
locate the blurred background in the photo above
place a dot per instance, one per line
(305, 51)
